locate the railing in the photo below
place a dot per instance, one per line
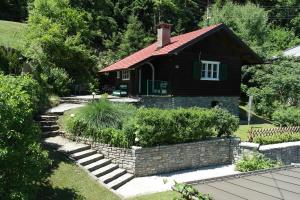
(252, 133)
(158, 88)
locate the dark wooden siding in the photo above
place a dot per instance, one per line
(213, 48)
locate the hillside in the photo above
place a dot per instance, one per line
(11, 33)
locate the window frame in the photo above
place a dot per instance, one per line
(126, 75)
(206, 70)
(118, 74)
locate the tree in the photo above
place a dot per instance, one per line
(248, 21)
(275, 85)
(59, 36)
(134, 38)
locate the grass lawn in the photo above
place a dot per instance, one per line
(68, 182)
(10, 34)
(256, 122)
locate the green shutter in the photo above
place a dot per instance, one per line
(196, 70)
(223, 73)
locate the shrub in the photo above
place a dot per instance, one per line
(160, 127)
(59, 81)
(188, 192)
(277, 138)
(255, 161)
(22, 160)
(103, 122)
(225, 123)
(289, 116)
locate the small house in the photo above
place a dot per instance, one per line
(200, 68)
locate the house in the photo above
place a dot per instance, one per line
(200, 68)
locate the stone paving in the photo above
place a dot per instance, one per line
(152, 184)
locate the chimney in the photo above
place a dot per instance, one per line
(163, 34)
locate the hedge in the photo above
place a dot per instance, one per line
(122, 125)
(289, 116)
(277, 138)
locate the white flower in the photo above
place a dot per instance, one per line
(136, 139)
(72, 115)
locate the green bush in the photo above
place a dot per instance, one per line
(224, 122)
(102, 121)
(59, 81)
(255, 161)
(22, 160)
(289, 116)
(277, 138)
(160, 127)
(189, 193)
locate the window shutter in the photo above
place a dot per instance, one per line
(223, 75)
(196, 70)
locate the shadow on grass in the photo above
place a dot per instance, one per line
(46, 190)
(255, 119)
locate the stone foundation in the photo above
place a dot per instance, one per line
(231, 103)
(162, 159)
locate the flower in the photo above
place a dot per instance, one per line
(72, 115)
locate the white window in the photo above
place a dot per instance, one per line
(210, 70)
(126, 75)
(118, 74)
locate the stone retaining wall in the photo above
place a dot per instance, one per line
(287, 153)
(231, 103)
(162, 159)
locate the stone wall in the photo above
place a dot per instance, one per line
(287, 153)
(231, 103)
(162, 159)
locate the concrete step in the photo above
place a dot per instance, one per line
(115, 184)
(48, 123)
(48, 117)
(83, 154)
(104, 170)
(112, 175)
(90, 159)
(50, 133)
(54, 113)
(50, 128)
(98, 164)
(75, 149)
(73, 101)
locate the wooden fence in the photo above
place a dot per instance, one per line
(252, 133)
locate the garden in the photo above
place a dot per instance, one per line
(124, 125)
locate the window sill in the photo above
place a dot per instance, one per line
(209, 79)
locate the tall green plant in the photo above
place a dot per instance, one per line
(22, 160)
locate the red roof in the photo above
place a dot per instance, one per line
(152, 50)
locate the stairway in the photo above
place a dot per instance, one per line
(93, 162)
(48, 124)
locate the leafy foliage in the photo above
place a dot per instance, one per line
(225, 123)
(255, 161)
(22, 160)
(10, 61)
(160, 127)
(275, 84)
(189, 193)
(251, 22)
(58, 36)
(277, 138)
(287, 116)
